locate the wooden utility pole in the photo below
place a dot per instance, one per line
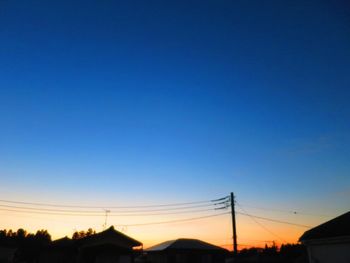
(233, 224)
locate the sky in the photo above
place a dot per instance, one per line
(123, 103)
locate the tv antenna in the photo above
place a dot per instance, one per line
(106, 217)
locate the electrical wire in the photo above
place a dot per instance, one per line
(175, 221)
(171, 213)
(116, 207)
(240, 245)
(255, 240)
(261, 225)
(120, 211)
(110, 214)
(273, 220)
(173, 208)
(294, 212)
(48, 213)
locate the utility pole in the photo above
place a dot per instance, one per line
(233, 214)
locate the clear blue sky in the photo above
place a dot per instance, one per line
(146, 101)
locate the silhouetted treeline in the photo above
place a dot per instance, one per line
(82, 234)
(22, 237)
(287, 253)
(28, 245)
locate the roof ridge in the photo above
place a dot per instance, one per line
(184, 243)
(336, 227)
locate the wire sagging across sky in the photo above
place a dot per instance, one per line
(261, 225)
(213, 205)
(273, 220)
(165, 209)
(116, 207)
(131, 211)
(294, 212)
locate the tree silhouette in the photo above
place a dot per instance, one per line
(82, 234)
(28, 245)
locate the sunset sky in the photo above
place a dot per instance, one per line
(128, 103)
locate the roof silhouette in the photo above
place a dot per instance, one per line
(110, 236)
(337, 227)
(185, 243)
(63, 242)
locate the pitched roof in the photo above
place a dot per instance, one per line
(110, 235)
(185, 243)
(63, 242)
(337, 227)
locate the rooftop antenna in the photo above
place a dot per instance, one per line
(106, 216)
(124, 229)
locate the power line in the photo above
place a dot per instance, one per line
(49, 210)
(294, 212)
(175, 221)
(169, 213)
(122, 211)
(109, 213)
(116, 207)
(48, 213)
(170, 208)
(262, 226)
(255, 240)
(273, 220)
(240, 245)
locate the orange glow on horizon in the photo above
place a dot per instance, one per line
(215, 230)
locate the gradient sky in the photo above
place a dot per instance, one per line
(143, 102)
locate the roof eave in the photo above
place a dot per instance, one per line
(322, 241)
